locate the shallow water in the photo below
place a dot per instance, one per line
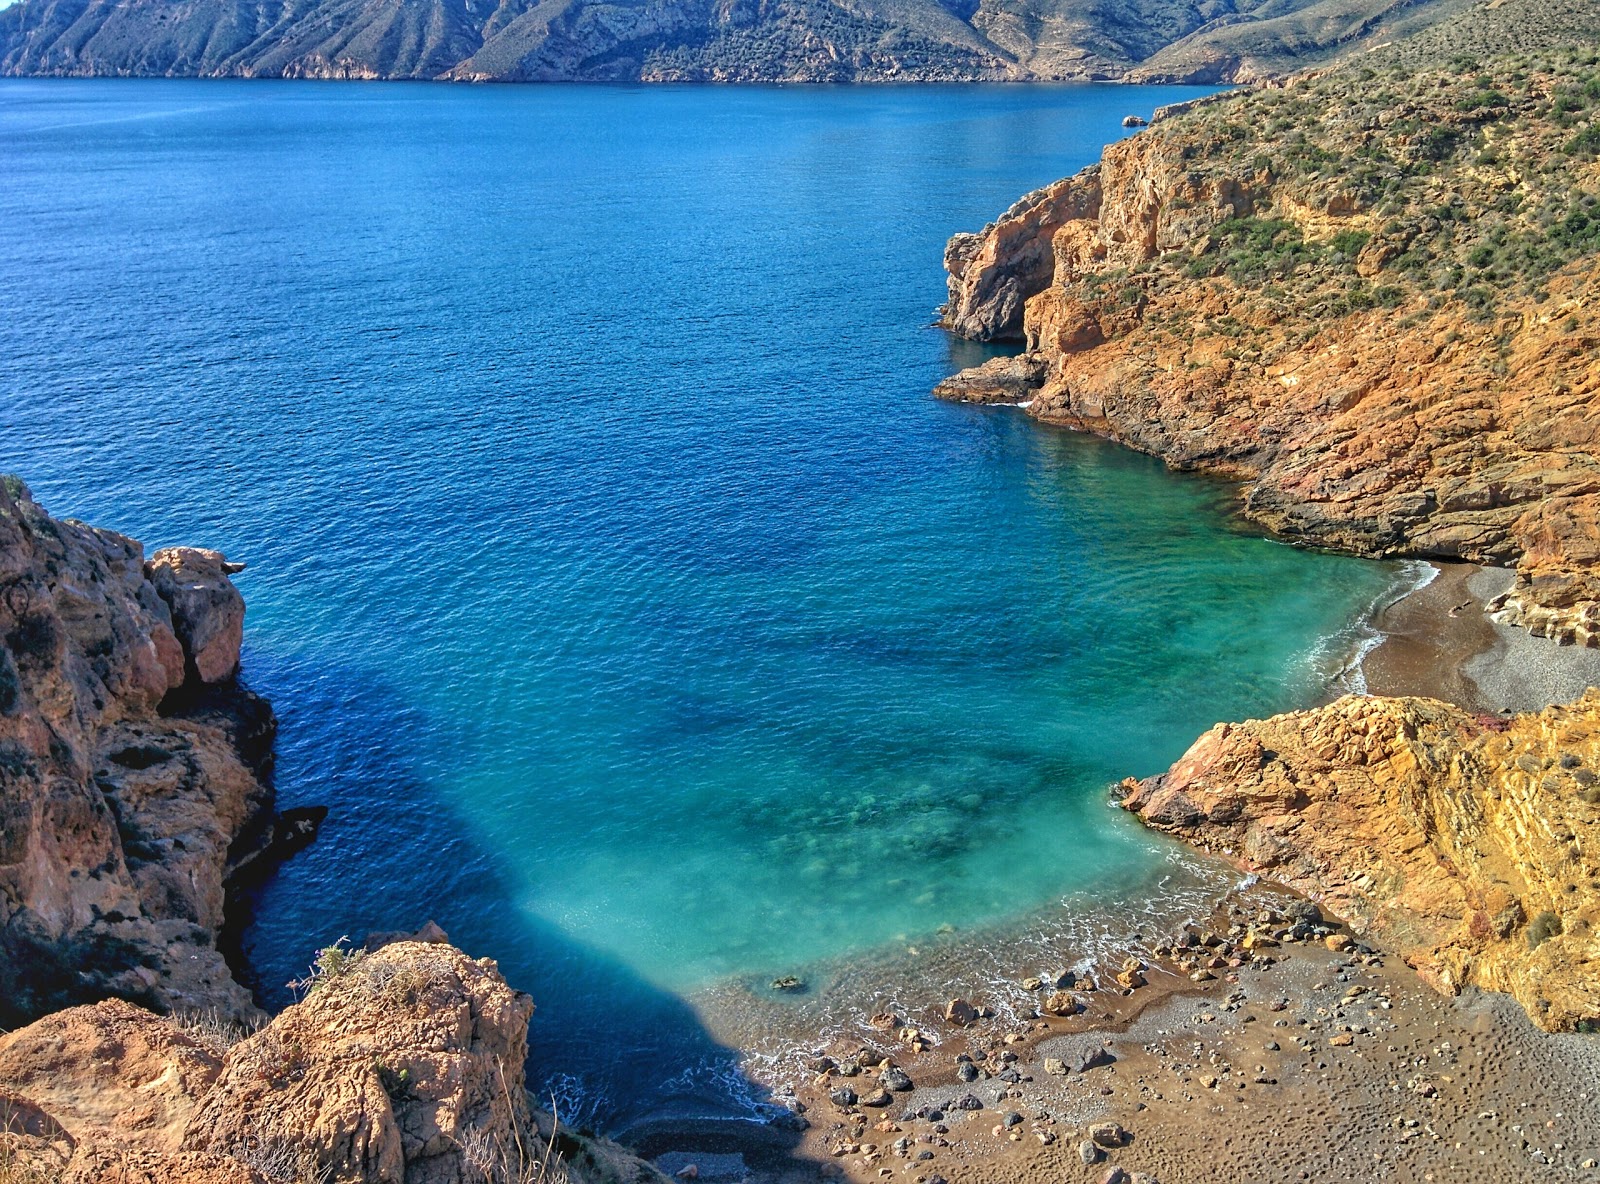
(620, 587)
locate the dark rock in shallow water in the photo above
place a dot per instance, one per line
(999, 380)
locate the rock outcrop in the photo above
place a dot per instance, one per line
(403, 1064)
(1468, 844)
(1382, 328)
(131, 763)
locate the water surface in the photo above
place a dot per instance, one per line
(621, 589)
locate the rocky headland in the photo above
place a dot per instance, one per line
(1464, 843)
(133, 768)
(1364, 295)
(135, 794)
(404, 1063)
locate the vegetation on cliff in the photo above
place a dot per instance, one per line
(1363, 293)
(739, 40)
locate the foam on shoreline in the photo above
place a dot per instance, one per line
(1438, 641)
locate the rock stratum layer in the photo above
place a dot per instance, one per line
(405, 1064)
(1468, 844)
(1366, 295)
(131, 767)
(724, 41)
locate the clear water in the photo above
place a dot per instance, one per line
(621, 588)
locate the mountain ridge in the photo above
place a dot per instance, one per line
(1209, 41)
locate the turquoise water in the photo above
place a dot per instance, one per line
(621, 589)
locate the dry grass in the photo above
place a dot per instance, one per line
(282, 1163)
(213, 1029)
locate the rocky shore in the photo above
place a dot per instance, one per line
(1379, 329)
(134, 768)
(1263, 1044)
(405, 1062)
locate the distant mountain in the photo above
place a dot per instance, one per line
(703, 40)
(752, 40)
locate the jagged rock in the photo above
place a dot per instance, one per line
(383, 1071)
(405, 1064)
(1454, 839)
(1378, 430)
(1011, 380)
(994, 272)
(118, 807)
(207, 610)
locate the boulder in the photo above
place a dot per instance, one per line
(207, 610)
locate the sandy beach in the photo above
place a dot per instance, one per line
(1298, 1056)
(1438, 642)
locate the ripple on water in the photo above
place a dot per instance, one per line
(638, 614)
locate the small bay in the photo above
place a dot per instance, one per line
(620, 587)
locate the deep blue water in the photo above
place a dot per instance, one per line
(620, 587)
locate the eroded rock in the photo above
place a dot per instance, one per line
(116, 817)
(1455, 839)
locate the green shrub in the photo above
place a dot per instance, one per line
(1543, 927)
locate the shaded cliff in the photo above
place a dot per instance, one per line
(1468, 844)
(1363, 294)
(131, 767)
(401, 1064)
(704, 40)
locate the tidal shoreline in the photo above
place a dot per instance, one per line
(1438, 641)
(1323, 1059)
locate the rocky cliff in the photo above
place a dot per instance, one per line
(403, 1064)
(1364, 294)
(1468, 844)
(710, 40)
(131, 767)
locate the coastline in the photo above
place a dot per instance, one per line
(1250, 1067)
(1438, 642)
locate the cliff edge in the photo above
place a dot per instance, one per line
(403, 1064)
(1469, 845)
(1365, 295)
(132, 767)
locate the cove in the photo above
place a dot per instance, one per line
(621, 589)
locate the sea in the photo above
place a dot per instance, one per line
(621, 590)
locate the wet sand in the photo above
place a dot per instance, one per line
(1298, 1062)
(1439, 642)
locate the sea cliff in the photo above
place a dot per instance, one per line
(1363, 295)
(134, 793)
(133, 768)
(1465, 843)
(401, 1063)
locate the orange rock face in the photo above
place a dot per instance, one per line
(1395, 350)
(1468, 844)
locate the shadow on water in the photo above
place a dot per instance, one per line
(608, 1051)
(962, 353)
